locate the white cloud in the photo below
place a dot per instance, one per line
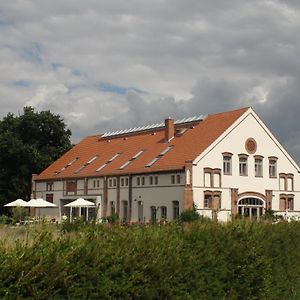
(86, 60)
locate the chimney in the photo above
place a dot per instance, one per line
(169, 129)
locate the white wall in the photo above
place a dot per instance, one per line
(234, 142)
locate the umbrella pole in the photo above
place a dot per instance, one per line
(70, 214)
(87, 214)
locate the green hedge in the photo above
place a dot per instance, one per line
(201, 260)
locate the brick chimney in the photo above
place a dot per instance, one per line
(169, 129)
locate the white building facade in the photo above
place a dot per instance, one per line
(226, 164)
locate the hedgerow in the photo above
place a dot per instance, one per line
(199, 260)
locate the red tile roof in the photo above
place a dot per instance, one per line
(186, 147)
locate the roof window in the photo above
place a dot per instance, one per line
(159, 156)
(86, 164)
(108, 162)
(132, 159)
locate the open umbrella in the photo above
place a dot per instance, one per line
(18, 202)
(40, 203)
(80, 202)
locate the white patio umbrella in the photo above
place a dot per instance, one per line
(40, 203)
(80, 202)
(18, 202)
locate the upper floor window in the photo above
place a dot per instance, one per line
(49, 186)
(227, 163)
(243, 165)
(155, 179)
(258, 166)
(71, 186)
(172, 179)
(178, 178)
(272, 167)
(138, 181)
(143, 180)
(150, 180)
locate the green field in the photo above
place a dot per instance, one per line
(199, 260)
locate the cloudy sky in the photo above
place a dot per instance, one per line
(110, 64)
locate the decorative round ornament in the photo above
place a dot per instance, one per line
(251, 146)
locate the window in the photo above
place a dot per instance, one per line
(155, 179)
(112, 208)
(290, 203)
(138, 181)
(286, 202)
(94, 183)
(98, 183)
(71, 186)
(175, 209)
(290, 182)
(49, 186)
(153, 214)
(243, 165)
(178, 178)
(132, 159)
(227, 162)
(114, 182)
(143, 180)
(161, 154)
(188, 177)
(272, 167)
(163, 212)
(173, 179)
(207, 177)
(151, 180)
(127, 181)
(207, 203)
(110, 183)
(49, 198)
(258, 167)
(122, 181)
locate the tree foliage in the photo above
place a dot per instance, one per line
(28, 144)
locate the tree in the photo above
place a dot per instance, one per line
(28, 144)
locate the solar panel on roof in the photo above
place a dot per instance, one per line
(156, 125)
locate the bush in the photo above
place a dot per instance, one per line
(241, 260)
(5, 219)
(19, 214)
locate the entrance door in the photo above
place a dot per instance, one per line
(251, 207)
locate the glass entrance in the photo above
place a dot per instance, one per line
(252, 208)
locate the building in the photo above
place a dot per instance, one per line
(226, 164)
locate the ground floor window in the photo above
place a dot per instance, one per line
(163, 212)
(175, 209)
(153, 214)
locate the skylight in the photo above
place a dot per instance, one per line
(152, 161)
(159, 156)
(66, 166)
(108, 162)
(102, 167)
(86, 164)
(114, 157)
(132, 159)
(165, 151)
